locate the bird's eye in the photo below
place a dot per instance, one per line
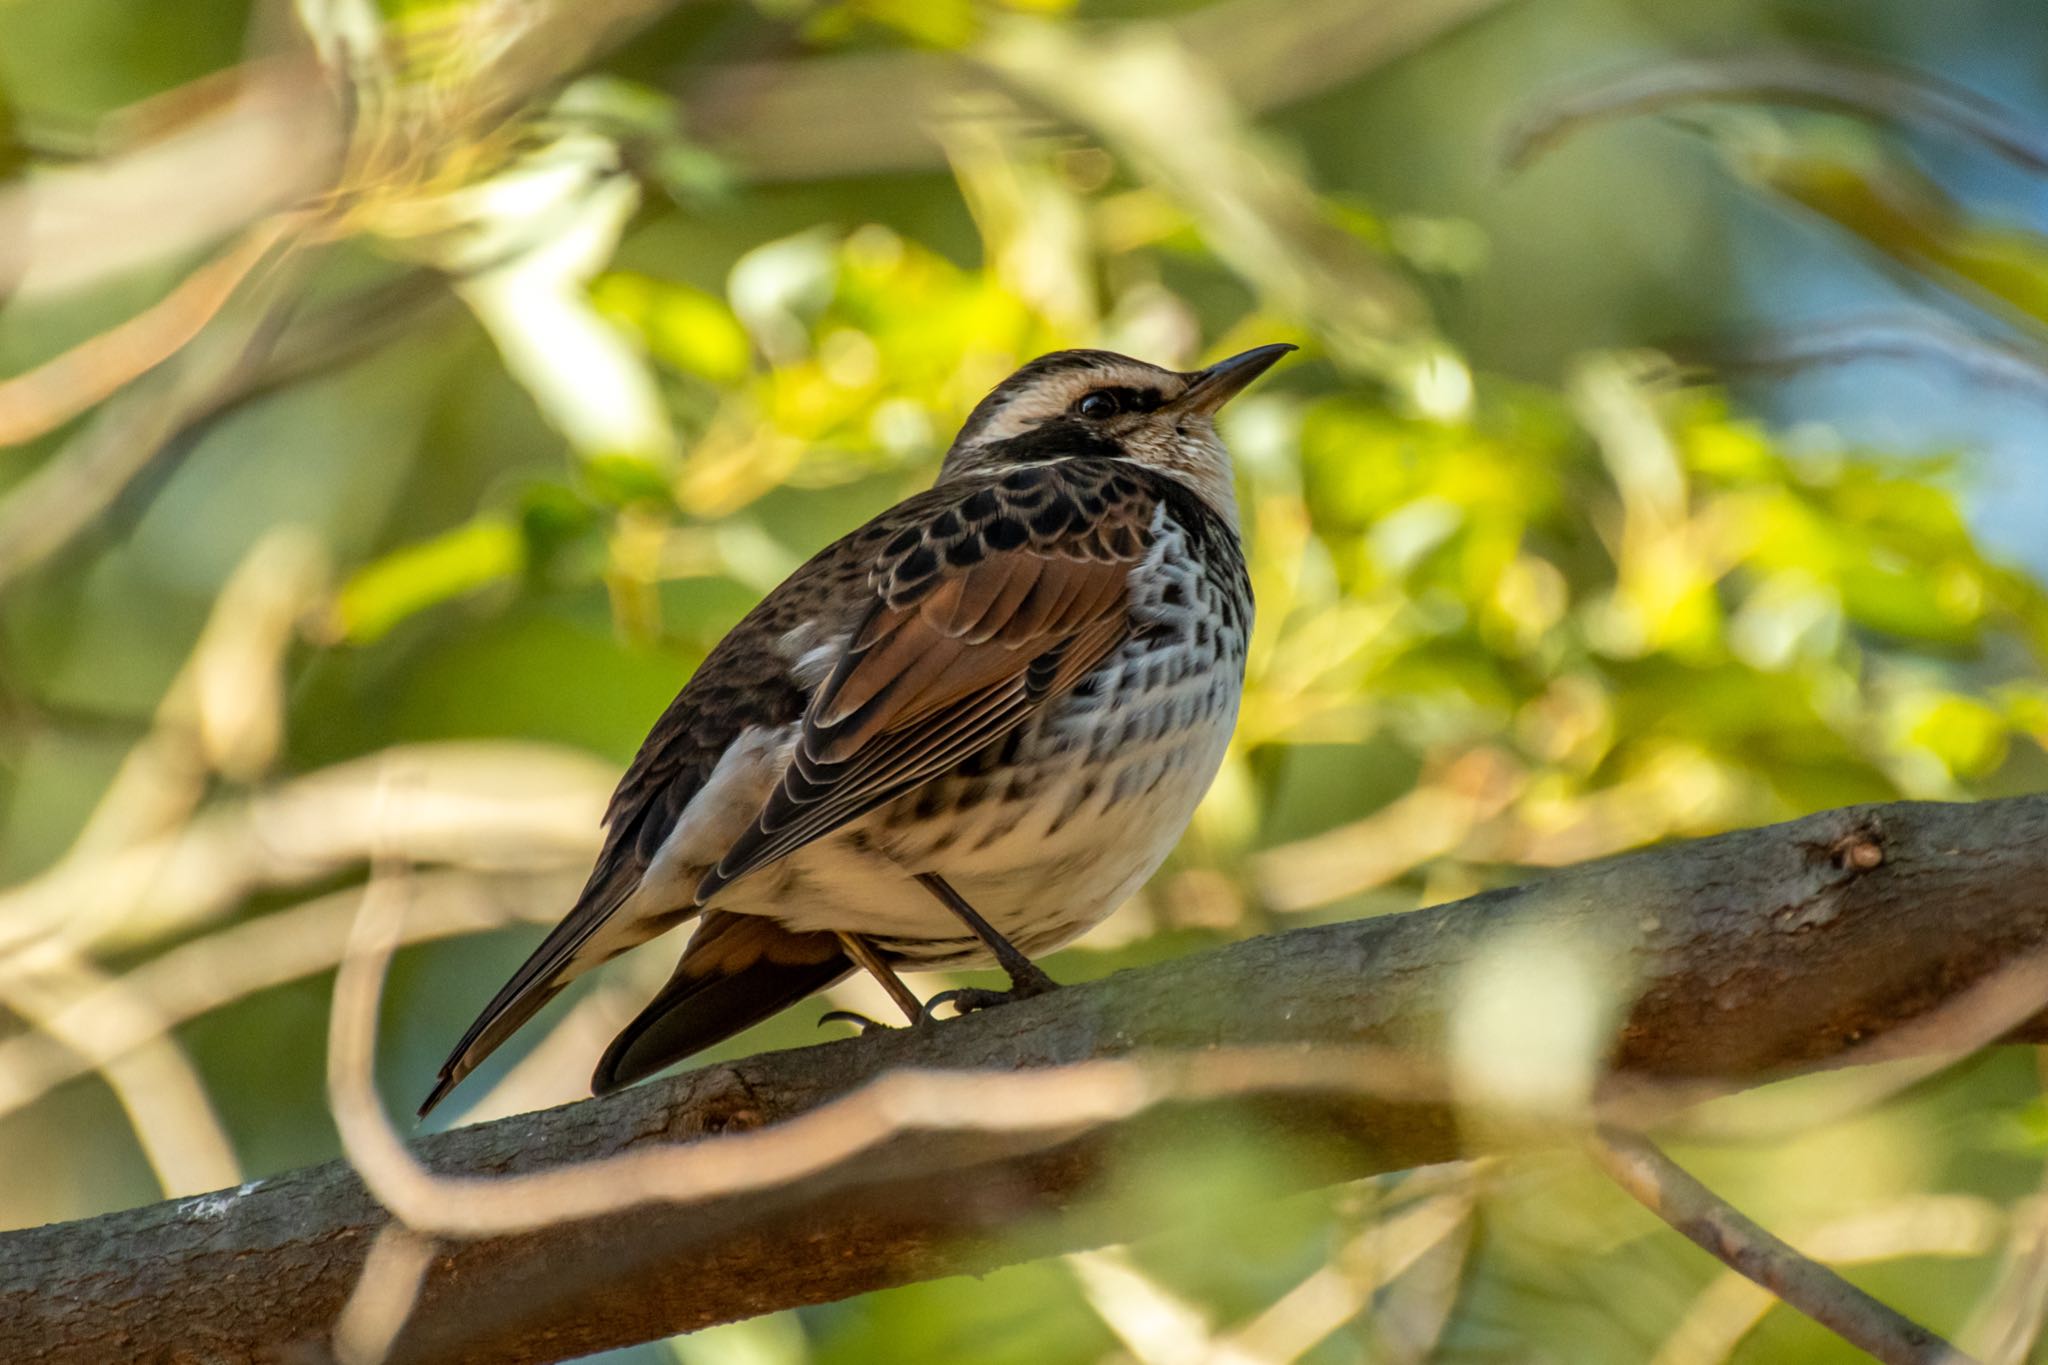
(1097, 405)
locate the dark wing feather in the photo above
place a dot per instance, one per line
(539, 979)
(738, 970)
(1007, 596)
(742, 682)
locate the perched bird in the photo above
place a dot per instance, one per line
(965, 732)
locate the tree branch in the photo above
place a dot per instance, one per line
(1746, 956)
(1663, 1187)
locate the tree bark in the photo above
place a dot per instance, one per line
(1745, 956)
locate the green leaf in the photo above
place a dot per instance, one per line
(410, 580)
(683, 327)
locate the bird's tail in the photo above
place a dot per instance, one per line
(571, 948)
(738, 970)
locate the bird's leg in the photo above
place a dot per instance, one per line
(863, 952)
(1027, 978)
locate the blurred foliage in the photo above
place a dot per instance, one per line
(1527, 594)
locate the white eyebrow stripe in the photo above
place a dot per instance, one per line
(1055, 393)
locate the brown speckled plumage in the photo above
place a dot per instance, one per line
(946, 690)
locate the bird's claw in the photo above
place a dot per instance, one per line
(860, 1021)
(968, 999)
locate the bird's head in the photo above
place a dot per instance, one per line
(1074, 403)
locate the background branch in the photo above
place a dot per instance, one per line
(1660, 1185)
(1745, 957)
(875, 113)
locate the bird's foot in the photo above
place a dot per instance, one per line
(968, 999)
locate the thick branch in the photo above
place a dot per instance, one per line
(1747, 955)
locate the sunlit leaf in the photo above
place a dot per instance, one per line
(410, 580)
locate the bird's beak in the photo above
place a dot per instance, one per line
(1224, 380)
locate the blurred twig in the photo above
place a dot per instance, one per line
(222, 715)
(153, 424)
(1823, 80)
(2009, 1320)
(1158, 1327)
(70, 490)
(1156, 108)
(261, 138)
(1396, 1241)
(869, 113)
(489, 807)
(1663, 1187)
(102, 1021)
(158, 1087)
(1850, 340)
(383, 1298)
(59, 389)
(1435, 818)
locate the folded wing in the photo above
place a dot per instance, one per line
(982, 615)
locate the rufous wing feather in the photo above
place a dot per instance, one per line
(968, 637)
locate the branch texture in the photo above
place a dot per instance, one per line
(1746, 956)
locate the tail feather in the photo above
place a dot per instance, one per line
(500, 1020)
(562, 956)
(737, 971)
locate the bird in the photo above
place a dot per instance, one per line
(961, 734)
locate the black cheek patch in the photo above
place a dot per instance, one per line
(1062, 438)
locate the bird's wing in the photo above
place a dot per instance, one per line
(738, 970)
(743, 683)
(984, 608)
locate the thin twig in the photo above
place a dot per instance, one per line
(156, 1082)
(2009, 1320)
(69, 492)
(492, 807)
(1732, 1306)
(147, 430)
(384, 1296)
(54, 392)
(1809, 79)
(1850, 340)
(865, 113)
(1660, 1185)
(101, 1022)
